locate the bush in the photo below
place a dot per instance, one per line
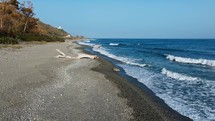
(37, 37)
(8, 40)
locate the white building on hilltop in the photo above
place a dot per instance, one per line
(68, 36)
(59, 27)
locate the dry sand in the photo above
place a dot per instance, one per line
(34, 85)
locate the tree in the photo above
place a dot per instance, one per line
(4, 18)
(14, 3)
(2, 13)
(16, 18)
(9, 18)
(27, 12)
(1, 18)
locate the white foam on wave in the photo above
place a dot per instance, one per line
(114, 44)
(137, 64)
(126, 60)
(86, 43)
(173, 95)
(177, 76)
(191, 60)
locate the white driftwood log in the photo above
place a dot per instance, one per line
(62, 55)
(80, 56)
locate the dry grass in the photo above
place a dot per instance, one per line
(48, 29)
(23, 44)
(35, 42)
(11, 46)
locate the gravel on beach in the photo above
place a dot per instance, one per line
(34, 85)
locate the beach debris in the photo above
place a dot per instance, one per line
(80, 56)
(116, 69)
(61, 54)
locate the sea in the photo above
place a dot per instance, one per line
(179, 71)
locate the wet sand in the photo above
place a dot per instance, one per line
(146, 106)
(34, 85)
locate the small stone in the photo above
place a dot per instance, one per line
(54, 97)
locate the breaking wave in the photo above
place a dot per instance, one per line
(86, 43)
(177, 76)
(129, 61)
(191, 60)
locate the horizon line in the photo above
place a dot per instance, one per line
(143, 38)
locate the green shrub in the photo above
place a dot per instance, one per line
(37, 37)
(28, 38)
(8, 40)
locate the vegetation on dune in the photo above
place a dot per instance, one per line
(35, 37)
(8, 40)
(18, 23)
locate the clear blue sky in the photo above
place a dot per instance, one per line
(131, 18)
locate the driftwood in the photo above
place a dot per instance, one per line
(80, 56)
(61, 54)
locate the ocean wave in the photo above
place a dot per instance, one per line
(137, 64)
(86, 43)
(191, 60)
(176, 94)
(177, 76)
(114, 44)
(129, 61)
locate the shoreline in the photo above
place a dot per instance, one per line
(37, 86)
(138, 95)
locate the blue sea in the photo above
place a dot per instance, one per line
(179, 71)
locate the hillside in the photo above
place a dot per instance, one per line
(18, 23)
(50, 30)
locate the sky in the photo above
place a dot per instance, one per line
(130, 18)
